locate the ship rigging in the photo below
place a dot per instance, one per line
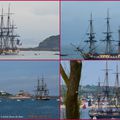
(109, 51)
(108, 104)
(42, 92)
(9, 41)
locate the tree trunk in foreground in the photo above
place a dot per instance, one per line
(72, 83)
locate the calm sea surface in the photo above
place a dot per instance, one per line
(29, 109)
(70, 53)
(33, 55)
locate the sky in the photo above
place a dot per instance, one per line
(23, 75)
(35, 20)
(92, 71)
(76, 16)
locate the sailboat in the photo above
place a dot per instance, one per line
(110, 51)
(108, 105)
(42, 92)
(9, 41)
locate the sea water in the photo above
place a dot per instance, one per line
(40, 109)
(33, 55)
(70, 53)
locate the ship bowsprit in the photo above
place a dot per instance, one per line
(109, 49)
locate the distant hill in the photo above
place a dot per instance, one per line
(92, 89)
(49, 44)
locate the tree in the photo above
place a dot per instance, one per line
(72, 83)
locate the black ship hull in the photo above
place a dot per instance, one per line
(105, 116)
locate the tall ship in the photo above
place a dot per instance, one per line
(107, 103)
(111, 49)
(9, 41)
(42, 92)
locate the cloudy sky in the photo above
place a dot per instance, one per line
(76, 15)
(23, 75)
(92, 71)
(35, 20)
